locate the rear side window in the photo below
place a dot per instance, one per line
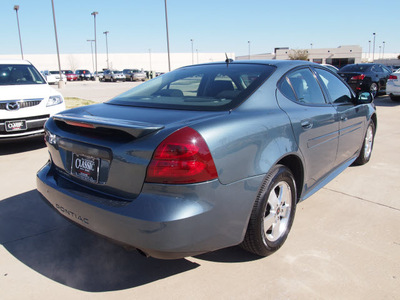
(214, 87)
(301, 86)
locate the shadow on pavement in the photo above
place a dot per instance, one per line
(385, 101)
(46, 242)
(12, 147)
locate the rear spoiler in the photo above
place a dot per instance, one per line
(134, 128)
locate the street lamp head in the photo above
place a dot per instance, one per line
(106, 32)
(94, 13)
(16, 7)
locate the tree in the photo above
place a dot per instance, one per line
(398, 57)
(299, 54)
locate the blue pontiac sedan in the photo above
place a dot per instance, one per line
(207, 156)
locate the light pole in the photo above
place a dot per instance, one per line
(91, 48)
(383, 50)
(60, 82)
(106, 33)
(150, 63)
(192, 52)
(95, 40)
(379, 56)
(311, 46)
(248, 42)
(369, 50)
(16, 8)
(166, 26)
(373, 48)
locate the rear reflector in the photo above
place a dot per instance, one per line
(392, 77)
(183, 157)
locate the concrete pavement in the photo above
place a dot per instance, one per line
(344, 243)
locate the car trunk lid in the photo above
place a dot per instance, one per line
(107, 148)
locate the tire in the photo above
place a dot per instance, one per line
(275, 207)
(374, 89)
(394, 98)
(367, 146)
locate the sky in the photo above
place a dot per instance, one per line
(137, 26)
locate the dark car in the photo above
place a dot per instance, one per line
(366, 77)
(84, 75)
(206, 156)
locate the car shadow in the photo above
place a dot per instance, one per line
(32, 232)
(385, 101)
(12, 147)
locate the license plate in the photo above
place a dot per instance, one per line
(85, 167)
(15, 125)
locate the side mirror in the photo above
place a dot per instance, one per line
(364, 98)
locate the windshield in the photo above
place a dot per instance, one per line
(355, 68)
(19, 75)
(213, 87)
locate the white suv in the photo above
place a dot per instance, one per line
(26, 100)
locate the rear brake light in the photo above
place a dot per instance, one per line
(183, 157)
(79, 124)
(358, 77)
(393, 77)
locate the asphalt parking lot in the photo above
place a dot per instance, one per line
(344, 244)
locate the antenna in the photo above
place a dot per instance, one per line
(228, 60)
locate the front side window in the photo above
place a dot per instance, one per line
(214, 87)
(337, 90)
(305, 87)
(20, 75)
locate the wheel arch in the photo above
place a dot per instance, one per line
(375, 120)
(295, 165)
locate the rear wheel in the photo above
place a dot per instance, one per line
(374, 89)
(273, 213)
(368, 143)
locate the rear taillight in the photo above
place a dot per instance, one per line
(358, 77)
(392, 77)
(183, 157)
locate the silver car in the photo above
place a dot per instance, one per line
(113, 75)
(134, 75)
(206, 156)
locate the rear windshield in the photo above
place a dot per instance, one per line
(355, 68)
(19, 75)
(214, 87)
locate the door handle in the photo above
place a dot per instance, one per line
(306, 124)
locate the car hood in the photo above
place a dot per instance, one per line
(28, 91)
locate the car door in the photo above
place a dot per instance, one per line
(313, 121)
(352, 118)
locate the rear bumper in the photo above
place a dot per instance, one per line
(164, 221)
(392, 88)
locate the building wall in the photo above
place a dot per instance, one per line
(154, 61)
(320, 55)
